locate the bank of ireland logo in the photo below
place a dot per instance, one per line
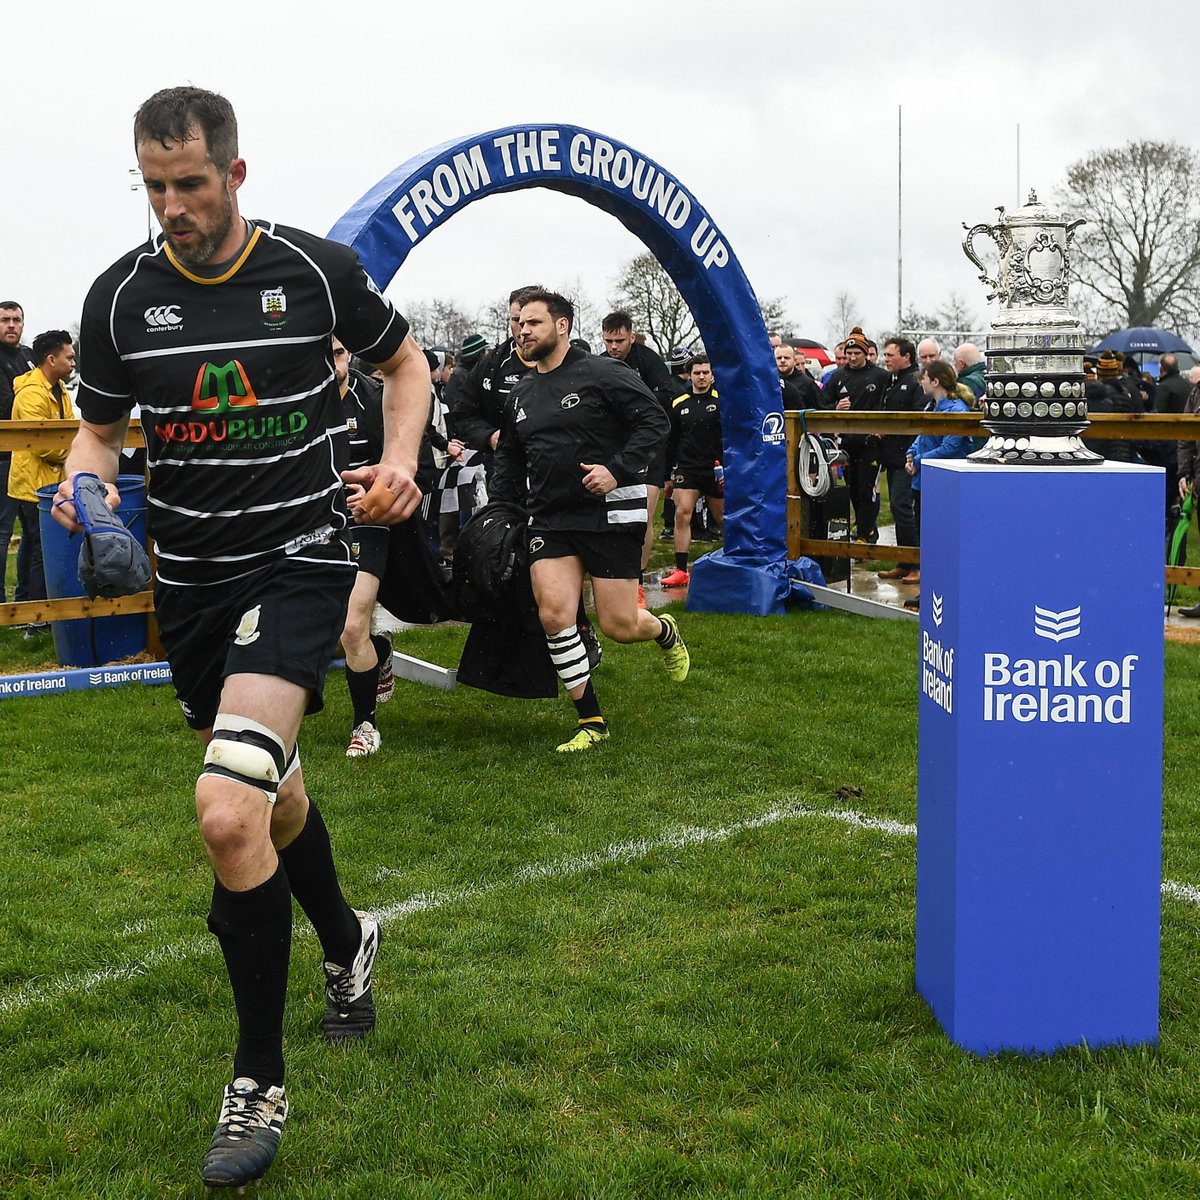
(220, 388)
(938, 608)
(1057, 626)
(772, 428)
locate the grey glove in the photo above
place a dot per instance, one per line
(111, 561)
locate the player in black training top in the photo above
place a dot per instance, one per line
(695, 452)
(580, 436)
(220, 330)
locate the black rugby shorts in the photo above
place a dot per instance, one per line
(702, 481)
(284, 620)
(606, 554)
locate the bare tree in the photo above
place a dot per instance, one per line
(493, 320)
(649, 295)
(775, 317)
(843, 317)
(1139, 252)
(440, 322)
(954, 315)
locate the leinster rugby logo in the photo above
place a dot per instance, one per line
(772, 428)
(569, 400)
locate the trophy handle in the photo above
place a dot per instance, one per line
(969, 251)
(1074, 225)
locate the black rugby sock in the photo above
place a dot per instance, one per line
(588, 708)
(681, 561)
(254, 929)
(308, 860)
(363, 686)
(667, 637)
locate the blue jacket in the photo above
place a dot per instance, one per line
(929, 446)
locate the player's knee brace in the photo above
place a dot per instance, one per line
(247, 752)
(569, 657)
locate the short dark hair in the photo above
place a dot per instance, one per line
(905, 347)
(616, 320)
(698, 358)
(557, 303)
(12, 304)
(517, 295)
(48, 343)
(174, 114)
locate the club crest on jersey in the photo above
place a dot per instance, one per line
(220, 388)
(274, 306)
(569, 400)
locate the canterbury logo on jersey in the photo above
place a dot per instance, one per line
(570, 400)
(218, 389)
(163, 316)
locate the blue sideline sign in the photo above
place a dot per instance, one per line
(1039, 805)
(82, 679)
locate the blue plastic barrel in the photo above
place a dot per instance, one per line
(90, 641)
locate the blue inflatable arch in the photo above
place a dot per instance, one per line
(747, 573)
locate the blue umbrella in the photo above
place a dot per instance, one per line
(1143, 340)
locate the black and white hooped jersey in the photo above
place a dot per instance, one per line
(245, 430)
(587, 410)
(363, 406)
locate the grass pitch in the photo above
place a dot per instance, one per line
(670, 966)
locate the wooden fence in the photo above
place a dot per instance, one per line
(1104, 426)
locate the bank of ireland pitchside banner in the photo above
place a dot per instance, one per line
(427, 190)
(1040, 681)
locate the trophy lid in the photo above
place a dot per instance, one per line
(1034, 212)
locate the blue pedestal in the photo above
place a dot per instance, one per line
(1039, 811)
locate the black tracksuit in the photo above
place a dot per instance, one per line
(587, 410)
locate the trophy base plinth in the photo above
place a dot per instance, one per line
(1019, 448)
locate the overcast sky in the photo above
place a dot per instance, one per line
(780, 118)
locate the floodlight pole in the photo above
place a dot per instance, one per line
(899, 217)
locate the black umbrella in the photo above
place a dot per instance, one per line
(1143, 339)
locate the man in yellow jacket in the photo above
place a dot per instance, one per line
(39, 395)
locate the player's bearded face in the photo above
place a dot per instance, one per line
(539, 333)
(204, 235)
(191, 196)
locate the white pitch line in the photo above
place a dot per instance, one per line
(619, 853)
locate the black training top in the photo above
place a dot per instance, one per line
(244, 424)
(477, 404)
(587, 410)
(695, 443)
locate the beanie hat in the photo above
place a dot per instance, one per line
(1110, 365)
(474, 344)
(679, 357)
(857, 340)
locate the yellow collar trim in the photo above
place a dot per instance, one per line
(233, 266)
